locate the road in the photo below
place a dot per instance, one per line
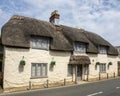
(102, 88)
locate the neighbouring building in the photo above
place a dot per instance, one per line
(118, 48)
(36, 51)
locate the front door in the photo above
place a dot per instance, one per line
(118, 69)
(79, 72)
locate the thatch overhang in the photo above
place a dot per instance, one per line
(77, 35)
(79, 60)
(99, 41)
(18, 30)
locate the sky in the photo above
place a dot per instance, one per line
(98, 16)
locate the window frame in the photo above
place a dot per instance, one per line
(41, 71)
(79, 49)
(40, 46)
(102, 68)
(103, 50)
(71, 70)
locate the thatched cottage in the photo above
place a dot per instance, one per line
(36, 51)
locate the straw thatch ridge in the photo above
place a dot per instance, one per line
(18, 31)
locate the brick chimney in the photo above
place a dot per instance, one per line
(54, 17)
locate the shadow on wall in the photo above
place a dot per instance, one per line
(59, 53)
(20, 68)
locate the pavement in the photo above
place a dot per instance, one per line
(109, 87)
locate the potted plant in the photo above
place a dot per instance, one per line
(52, 63)
(22, 62)
(97, 63)
(110, 63)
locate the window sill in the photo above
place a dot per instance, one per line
(39, 77)
(47, 49)
(102, 72)
(80, 52)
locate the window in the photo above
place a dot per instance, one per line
(40, 43)
(39, 70)
(102, 67)
(70, 70)
(86, 69)
(80, 47)
(102, 50)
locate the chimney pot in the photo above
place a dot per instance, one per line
(54, 17)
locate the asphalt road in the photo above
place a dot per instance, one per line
(102, 88)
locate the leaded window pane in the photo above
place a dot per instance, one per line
(41, 43)
(70, 70)
(39, 70)
(102, 50)
(102, 68)
(33, 70)
(80, 47)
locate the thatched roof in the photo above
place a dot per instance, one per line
(18, 31)
(99, 41)
(79, 60)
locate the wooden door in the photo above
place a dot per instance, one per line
(79, 72)
(118, 68)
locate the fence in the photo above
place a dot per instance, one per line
(55, 83)
(101, 76)
(37, 84)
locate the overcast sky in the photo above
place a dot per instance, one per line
(98, 16)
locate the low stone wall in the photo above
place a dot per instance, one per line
(102, 76)
(38, 85)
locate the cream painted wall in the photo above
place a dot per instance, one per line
(14, 76)
(102, 58)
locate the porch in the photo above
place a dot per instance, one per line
(80, 65)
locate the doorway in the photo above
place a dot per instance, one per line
(118, 68)
(79, 72)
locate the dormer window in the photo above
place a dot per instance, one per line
(80, 47)
(40, 43)
(102, 50)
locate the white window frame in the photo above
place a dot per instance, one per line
(40, 43)
(80, 47)
(70, 70)
(36, 71)
(102, 50)
(102, 68)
